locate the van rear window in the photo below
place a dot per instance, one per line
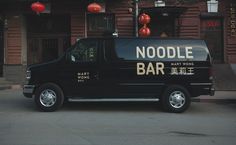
(161, 50)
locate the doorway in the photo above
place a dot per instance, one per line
(162, 25)
(164, 20)
(48, 36)
(1, 47)
(212, 33)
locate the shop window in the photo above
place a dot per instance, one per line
(48, 24)
(101, 22)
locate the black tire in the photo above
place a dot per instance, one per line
(49, 97)
(175, 99)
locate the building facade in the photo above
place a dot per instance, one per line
(27, 38)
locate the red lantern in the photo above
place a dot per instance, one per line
(144, 31)
(38, 7)
(94, 8)
(144, 19)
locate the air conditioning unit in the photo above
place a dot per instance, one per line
(212, 6)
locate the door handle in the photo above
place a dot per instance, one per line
(96, 76)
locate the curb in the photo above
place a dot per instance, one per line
(225, 89)
(220, 101)
(5, 87)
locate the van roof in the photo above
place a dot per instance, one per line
(158, 38)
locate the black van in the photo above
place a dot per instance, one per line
(124, 69)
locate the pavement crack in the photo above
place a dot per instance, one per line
(188, 134)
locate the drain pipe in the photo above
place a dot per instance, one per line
(136, 17)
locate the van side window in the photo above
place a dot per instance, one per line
(160, 50)
(125, 48)
(84, 51)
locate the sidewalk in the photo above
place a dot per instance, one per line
(224, 77)
(219, 97)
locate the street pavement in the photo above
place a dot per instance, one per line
(204, 123)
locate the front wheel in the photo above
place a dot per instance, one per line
(49, 97)
(175, 99)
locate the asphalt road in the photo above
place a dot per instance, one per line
(114, 124)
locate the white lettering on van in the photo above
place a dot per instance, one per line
(179, 53)
(181, 71)
(151, 52)
(171, 52)
(83, 76)
(164, 52)
(160, 68)
(140, 69)
(161, 53)
(140, 52)
(189, 52)
(150, 68)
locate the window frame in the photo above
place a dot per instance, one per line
(111, 15)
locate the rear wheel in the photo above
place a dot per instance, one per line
(175, 99)
(49, 97)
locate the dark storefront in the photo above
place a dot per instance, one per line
(47, 37)
(31, 38)
(212, 33)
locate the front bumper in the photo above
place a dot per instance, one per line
(28, 90)
(212, 91)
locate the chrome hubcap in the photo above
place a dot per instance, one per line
(48, 98)
(177, 99)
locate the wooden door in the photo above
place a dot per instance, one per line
(212, 33)
(47, 36)
(46, 48)
(162, 26)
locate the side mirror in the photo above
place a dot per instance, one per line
(70, 58)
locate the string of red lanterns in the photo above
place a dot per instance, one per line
(37, 7)
(144, 31)
(144, 19)
(94, 8)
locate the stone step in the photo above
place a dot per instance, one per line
(4, 84)
(3, 81)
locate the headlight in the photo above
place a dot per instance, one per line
(28, 74)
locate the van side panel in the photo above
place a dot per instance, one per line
(147, 66)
